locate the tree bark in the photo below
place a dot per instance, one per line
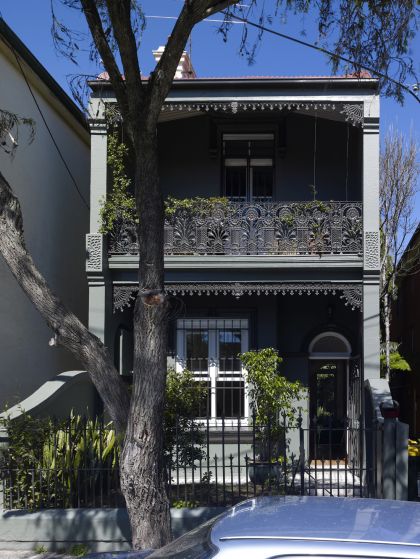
(70, 331)
(143, 478)
(387, 323)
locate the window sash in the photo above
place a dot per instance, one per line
(244, 189)
(214, 373)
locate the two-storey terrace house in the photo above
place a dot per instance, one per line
(289, 258)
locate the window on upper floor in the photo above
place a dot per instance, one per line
(248, 167)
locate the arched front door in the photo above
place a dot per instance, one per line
(329, 354)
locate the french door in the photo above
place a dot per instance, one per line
(209, 349)
(328, 409)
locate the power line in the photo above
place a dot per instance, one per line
(48, 128)
(51, 134)
(321, 49)
(245, 21)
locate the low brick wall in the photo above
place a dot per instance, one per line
(99, 529)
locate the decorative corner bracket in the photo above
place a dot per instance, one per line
(123, 295)
(353, 113)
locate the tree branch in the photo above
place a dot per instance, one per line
(102, 44)
(120, 16)
(161, 78)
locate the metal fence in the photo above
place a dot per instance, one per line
(276, 228)
(60, 464)
(232, 459)
(277, 459)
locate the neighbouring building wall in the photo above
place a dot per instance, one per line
(190, 160)
(55, 223)
(405, 330)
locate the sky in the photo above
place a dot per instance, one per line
(211, 56)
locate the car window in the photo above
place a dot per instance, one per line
(195, 544)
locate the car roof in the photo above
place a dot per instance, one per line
(321, 519)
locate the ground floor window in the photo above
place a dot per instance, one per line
(209, 348)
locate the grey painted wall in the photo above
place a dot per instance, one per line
(55, 221)
(188, 167)
(98, 529)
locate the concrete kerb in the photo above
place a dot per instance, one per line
(98, 529)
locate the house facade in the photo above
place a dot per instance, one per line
(45, 174)
(286, 255)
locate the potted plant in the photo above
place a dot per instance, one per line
(273, 400)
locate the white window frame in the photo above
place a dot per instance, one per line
(213, 326)
(250, 163)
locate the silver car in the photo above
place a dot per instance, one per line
(298, 527)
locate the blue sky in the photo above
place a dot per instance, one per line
(31, 20)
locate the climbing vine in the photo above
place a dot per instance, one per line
(196, 206)
(120, 203)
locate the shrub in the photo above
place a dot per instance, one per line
(183, 437)
(47, 459)
(272, 396)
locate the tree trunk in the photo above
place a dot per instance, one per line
(387, 321)
(71, 333)
(143, 478)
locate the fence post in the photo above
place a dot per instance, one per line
(389, 459)
(401, 465)
(4, 445)
(301, 455)
(395, 453)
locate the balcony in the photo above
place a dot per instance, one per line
(251, 228)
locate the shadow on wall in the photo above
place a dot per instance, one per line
(71, 390)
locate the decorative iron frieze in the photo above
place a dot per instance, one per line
(247, 228)
(353, 113)
(371, 254)
(245, 106)
(94, 251)
(350, 292)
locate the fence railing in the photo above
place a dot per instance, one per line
(251, 228)
(276, 459)
(231, 462)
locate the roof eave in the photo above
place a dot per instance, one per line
(370, 84)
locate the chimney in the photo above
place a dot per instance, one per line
(185, 70)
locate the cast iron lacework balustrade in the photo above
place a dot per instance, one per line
(270, 228)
